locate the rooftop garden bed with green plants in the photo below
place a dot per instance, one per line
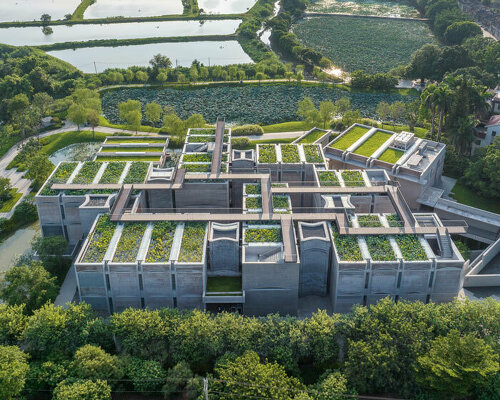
(113, 172)
(99, 242)
(130, 241)
(312, 136)
(391, 155)
(253, 203)
(61, 175)
(197, 167)
(203, 131)
(394, 221)
(411, 248)
(328, 178)
(128, 158)
(223, 284)
(267, 154)
(278, 185)
(252, 188)
(349, 138)
(197, 157)
(312, 153)
(124, 149)
(347, 246)
(290, 154)
(373, 143)
(263, 235)
(88, 172)
(353, 178)
(201, 139)
(137, 172)
(160, 245)
(193, 242)
(369, 221)
(138, 140)
(380, 248)
(280, 202)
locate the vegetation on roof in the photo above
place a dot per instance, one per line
(99, 242)
(349, 138)
(290, 154)
(394, 221)
(132, 140)
(193, 242)
(281, 202)
(391, 155)
(312, 136)
(267, 153)
(347, 246)
(223, 284)
(130, 241)
(113, 172)
(312, 153)
(253, 203)
(61, 175)
(328, 178)
(160, 245)
(137, 172)
(197, 157)
(88, 172)
(380, 248)
(369, 221)
(197, 167)
(373, 143)
(411, 248)
(127, 149)
(353, 178)
(263, 235)
(252, 188)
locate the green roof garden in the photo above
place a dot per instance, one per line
(349, 138)
(61, 175)
(113, 172)
(391, 155)
(197, 157)
(223, 284)
(369, 221)
(193, 242)
(138, 140)
(312, 153)
(100, 240)
(347, 246)
(328, 178)
(380, 248)
(373, 143)
(197, 167)
(128, 158)
(263, 235)
(267, 154)
(252, 188)
(290, 154)
(411, 248)
(253, 203)
(312, 136)
(130, 241)
(88, 172)
(126, 149)
(137, 172)
(353, 178)
(162, 238)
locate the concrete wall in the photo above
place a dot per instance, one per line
(203, 195)
(314, 267)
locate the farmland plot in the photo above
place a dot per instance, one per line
(363, 7)
(370, 44)
(248, 104)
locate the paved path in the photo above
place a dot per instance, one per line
(68, 288)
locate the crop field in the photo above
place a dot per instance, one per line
(363, 7)
(268, 104)
(370, 44)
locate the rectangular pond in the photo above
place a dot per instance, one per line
(133, 8)
(182, 53)
(29, 10)
(33, 35)
(226, 6)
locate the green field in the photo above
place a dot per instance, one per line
(313, 136)
(128, 158)
(370, 44)
(6, 206)
(468, 196)
(132, 149)
(391, 155)
(373, 143)
(349, 138)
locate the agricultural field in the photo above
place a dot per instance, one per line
(369, 44)
(363, 7)
(268, 104)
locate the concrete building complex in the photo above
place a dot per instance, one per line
(256, 231)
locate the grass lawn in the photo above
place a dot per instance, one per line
(468, 196)
(349, 138)
(56, 142)
(138, 141)
(291, 126)
(224, 284)
(128, 158)
(312, 137)
(253, 143)
(373, 143)
(132, 149)
(144, 128)
(9, 204)
(391, 155)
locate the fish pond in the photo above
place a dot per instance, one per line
(225, 6)
(29, 10)
(133, 8)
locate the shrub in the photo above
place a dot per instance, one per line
(82, 389)
(290, 153)
(162, 238)
(267, 153)
(263, 235)
(192, 246)
(147, 376)
(247, 130)
(241, 143)
(380, 248)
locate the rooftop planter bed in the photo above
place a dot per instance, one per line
(369, 221)
(201, 139)
(160, 245)
(131, 149)
(373, 143)
(113, 172)
(137, 172)
(83, 192)
(99, 242)
(280, 202)
(391, 155)
(394, 221)
(267, 154)
(253, 202)
(129, 158)
(312, 153)
(223, 284)
(347, 246)
(88, 172)
(252, 188)
(411, 248)
(193, 242)
(197, 167)
(204, 131)
(197, 157)
(138, 140)
(61, 175)
(380, 248)
(312, 137)
(353, 178)
(263, 235)
(349, 138)
(328, 178)
(278, 185)
(290, 154)
(130, 241)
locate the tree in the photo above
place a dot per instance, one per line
(51, 249)
(29, 285)
(194, 121)
(350, 117)
(13, 370)
(462, 134)
(147, 376)
(77, 114)
(92, 362)
(307, 111)
(130, 112)
(442, 100)
(343, 105)
(177, 379)
(332, 386)
(129, 75)
(82, 389)
(47, 30)
(457, 32)
(39, 169)
(383, 111)
(327, 111)
(458, 366)
(141, 76)
(153, 112)
(193, 73)
(429, 97)
(12, 323)
(5, 189)
(43, 102)
(423, 63)
(204, 73)
(45, 18)
(397, 111)
(93, 120)
(260, 76)
(173, 124)
(181, 78)
(162, 77)
(299, 77)
(246, 376)
(412, 115)
(160, 62)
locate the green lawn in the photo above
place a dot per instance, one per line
(349, 138)
(223, 284)
(468, 196)
(312, 137)
(132, 149)
(292, 126)
(112, 140)
(373, 143)
(9, 204)
(144, 128)
(391, 155)
(56, 142)
(128, 158)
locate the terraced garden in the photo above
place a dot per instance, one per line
(193, 242)
(61, 175)
(328, 178)
(98, 244)
(391, 155)
(88, 172)
(394, 221)
(312, 153)
(132, 149)
(129, 243)
(267, 154)
(369, 44)
(411, 248)
(252, 188)
(349, 138)
(347, 246)
(128, 158)
(263, 235)
(197, 167)
(137, 172)
(281, 202)
(290, 154)
(113, 172)
(312, 137)
(353, 178)
(373, 143)
(199, 157)
(160, 245)
(253, 203)
(111, 140)
(380, 248)
(369, 221)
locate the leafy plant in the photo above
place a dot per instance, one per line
(197, 167)
(372, 221)
(353, 178)
(113, 172)
(252, 188)
(328, 178)
(312, 153)
(197, 157)
(193, 242)
(263, 235)
(411, 248)
(380, 248)
(130, 241)
(394, 221)
(281, 202)
(253, 202)
(350, 137)
(99, 242)
(267, 153)
(290, 154)
(201, 139)
(61, 175)
(88, 172)
(137, 172)
(162, 238)
(347, 246)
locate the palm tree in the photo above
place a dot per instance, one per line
(429, 101)
(443, 99)
(463, 134)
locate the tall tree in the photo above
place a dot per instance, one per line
(13, 370)
(130, 112)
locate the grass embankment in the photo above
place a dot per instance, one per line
(80, 10)
(224, 284)
(312, 137)
(9, 204)
(373, 143)
(292, 126)
(53, 143)
(468, 196)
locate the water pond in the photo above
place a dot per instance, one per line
(364, 7)
(182, 53)
(33, 35)
(133, 8)
(28, 10)
(226, 6)
(75, 152)
(16, 245)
